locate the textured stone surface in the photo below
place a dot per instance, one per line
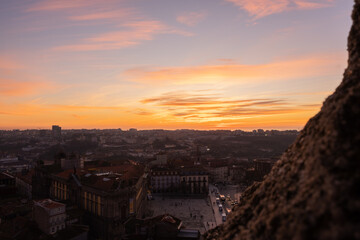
(313, 192)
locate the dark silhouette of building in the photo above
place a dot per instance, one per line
(7, 185)
(56, 131)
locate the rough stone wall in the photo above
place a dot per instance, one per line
(313, 191)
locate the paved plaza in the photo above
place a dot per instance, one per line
(194, 213)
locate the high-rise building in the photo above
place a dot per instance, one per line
(56, 131)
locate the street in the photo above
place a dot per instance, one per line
(227, 190)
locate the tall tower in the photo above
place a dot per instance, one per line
(56, 131)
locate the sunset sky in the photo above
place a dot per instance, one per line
(171, 64)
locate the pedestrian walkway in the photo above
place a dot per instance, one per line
(209, 225)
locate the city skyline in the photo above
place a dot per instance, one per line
(219, 64)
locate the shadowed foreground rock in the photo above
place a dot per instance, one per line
(313, 192)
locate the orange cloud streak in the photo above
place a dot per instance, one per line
(138, 31)
(199, 111)
(122, 13)
(313, 66)
(209, 111)
(21, 88)
(191, 18)
(262, 8)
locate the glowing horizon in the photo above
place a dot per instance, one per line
(214, 64)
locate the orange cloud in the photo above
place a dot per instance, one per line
(141, 111)
(203, 108)
(103, 15)
(138, 32)
(311, 66)
(193, 99)
(262, 8)
(249, 113)
(21, 88)
(191, 18)
(312, 5)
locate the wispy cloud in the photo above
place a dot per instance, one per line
(309, 66)
(191, 18)
(129, 26)
(198, 107)
(141, 112)
(302, 5)
(21, 88)
(262, 8)
(110, 14)
(136, 32)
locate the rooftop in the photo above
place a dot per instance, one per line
(106, 178)
(48, 203)
(26, 177)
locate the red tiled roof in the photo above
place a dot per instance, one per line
(48, 203)
(89, 176)
(27, 177)
(65, 174)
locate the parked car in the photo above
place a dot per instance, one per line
(223, 216)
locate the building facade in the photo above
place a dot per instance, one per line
(24, 183)
(49, 215)
(219, 171)
(179, 181)
(165, 180)
(108, 195)
(262, 167)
